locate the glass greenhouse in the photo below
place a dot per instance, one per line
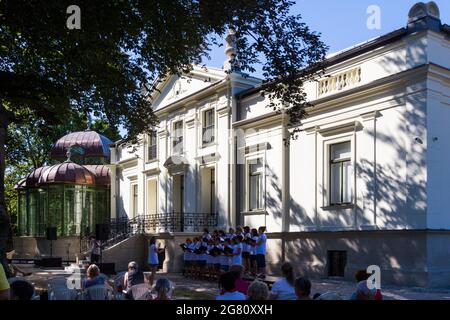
(73, 197)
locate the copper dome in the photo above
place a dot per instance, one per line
(32, 179)
(67, 172)
(92, 143)
(101, 172)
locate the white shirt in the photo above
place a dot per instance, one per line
(196, 256)
(246, 247)
(284, 290)
(238, 258)
(261, 248)
(253, 248)
(226, 260)
(236, 295)
(191, 255)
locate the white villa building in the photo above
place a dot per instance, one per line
(367, 181)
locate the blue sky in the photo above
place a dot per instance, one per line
(343, 23)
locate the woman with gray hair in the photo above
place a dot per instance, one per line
(258, 290)
(134, 276)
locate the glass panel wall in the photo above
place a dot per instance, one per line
(73, 210)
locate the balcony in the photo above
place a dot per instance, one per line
(123, 227)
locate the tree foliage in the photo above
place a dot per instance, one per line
(49, 73)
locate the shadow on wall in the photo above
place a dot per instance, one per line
(396, 184)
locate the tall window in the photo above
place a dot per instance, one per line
(134, 200)
(177, 140)
(256, 187)
(341, 172)
(208, 127)
(151, 146)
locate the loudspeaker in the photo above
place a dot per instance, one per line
(107, 268)
(102, 231)
(49, 262)
(51, 233)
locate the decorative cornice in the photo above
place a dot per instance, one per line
(256, 147)
(151, 171)
(370, 115)
(340, 128)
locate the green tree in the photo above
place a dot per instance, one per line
(56, 73)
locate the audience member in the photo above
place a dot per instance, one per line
(284, 289)
(21, 290)
(241, 285)
(134, 276)
(163, 289)
(303, 288)
(4, 285)
(258, 290)
(93, 277)
(227, 285)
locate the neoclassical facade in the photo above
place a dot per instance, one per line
(365, 182)
(179, 176)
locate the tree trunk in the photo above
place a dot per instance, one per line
(5, 223)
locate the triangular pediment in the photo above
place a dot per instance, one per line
(176, 88)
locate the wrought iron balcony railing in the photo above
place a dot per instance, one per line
(123, 227)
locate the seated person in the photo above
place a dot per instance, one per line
(283, 289)
(163, 289)
(360, 276)
(237, 271)
(363, 292)
(258, 290)
(4, 285)
(94, 278)
(226, 284)
(303, 288)
(133, 277)
(21, 290)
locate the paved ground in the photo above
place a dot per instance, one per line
(200, 289)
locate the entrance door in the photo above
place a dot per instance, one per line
(208, 190)
(178, 201)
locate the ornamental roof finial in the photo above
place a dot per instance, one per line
(230, 50)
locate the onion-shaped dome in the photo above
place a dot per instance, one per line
(101, 172)
(67, 172)
(32, 179)
(89, 144)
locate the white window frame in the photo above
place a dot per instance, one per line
(148, 146)
(326, 168)
(147, 200)
(172, 136)
(248, 159)
(210, 166)
(133, 210)
(202, 121)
